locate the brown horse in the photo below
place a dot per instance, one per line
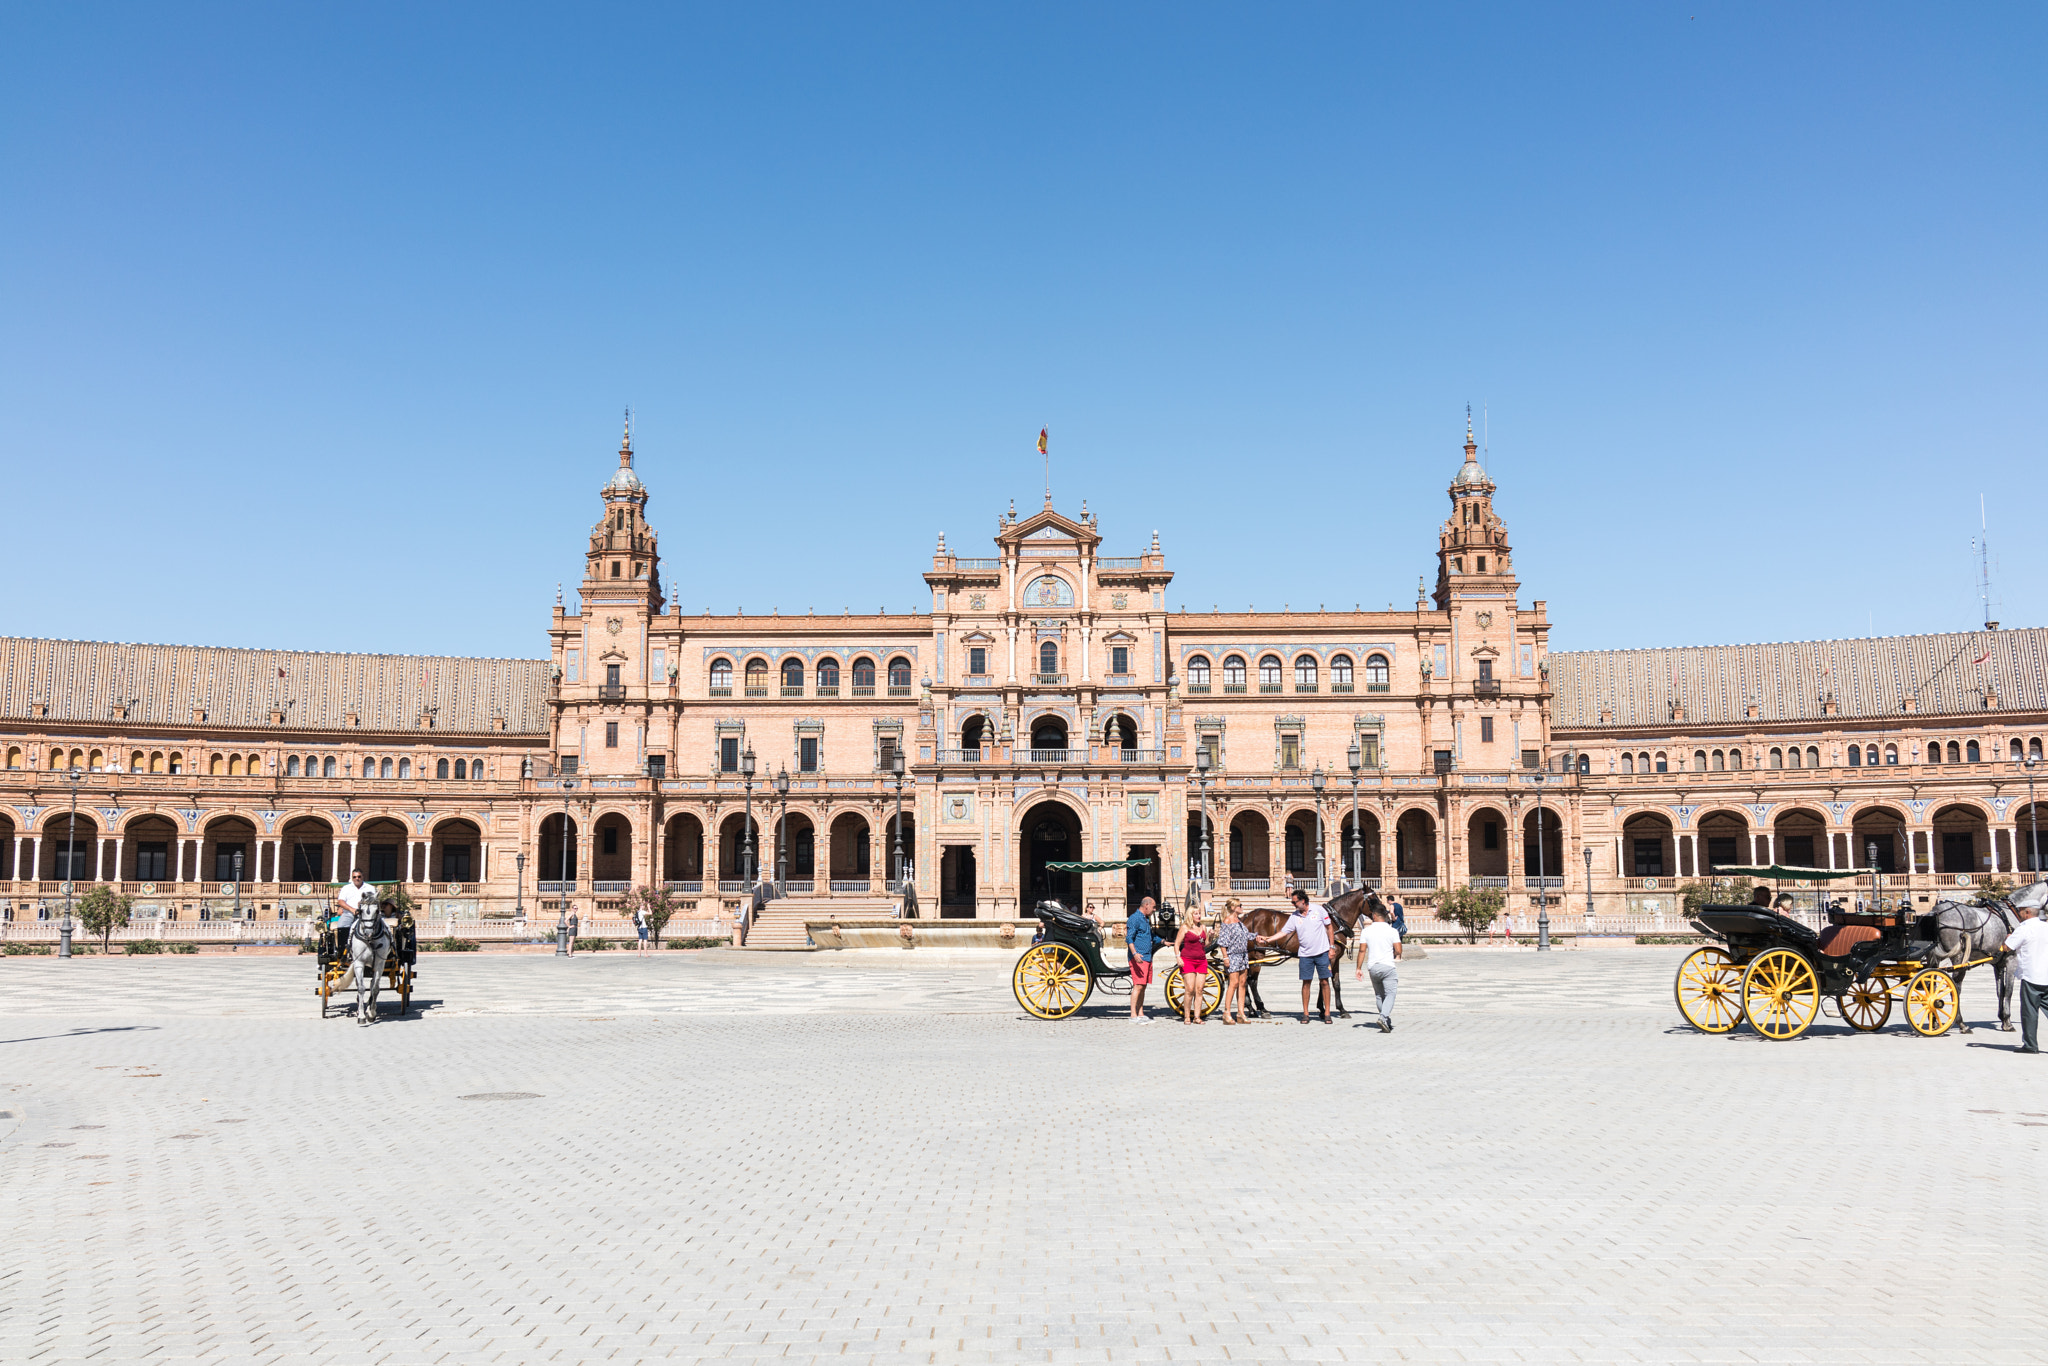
(1347, 916)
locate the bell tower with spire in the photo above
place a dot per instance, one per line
(608, 672)
(1472, 547)
(623, 560)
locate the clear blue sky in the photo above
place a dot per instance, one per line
(316, 323)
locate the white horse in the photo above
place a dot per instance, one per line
(1967, 930)
(369, 944)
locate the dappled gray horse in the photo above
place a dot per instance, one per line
(369, 944)
(1975, 929)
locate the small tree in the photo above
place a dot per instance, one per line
(658, 904)
(1473, 907)
(1714, 891)
(102, 911)
(1991, 887)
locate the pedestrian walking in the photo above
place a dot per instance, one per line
(1142, 943)
(2030, 942)
(1379, 954)
(1236, 942)
(575, 925)
(1310, 925)
(1193, 945)
(640, 925)
(1397, 917)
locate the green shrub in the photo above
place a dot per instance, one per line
(182, 948)
(451, 945)
(25, 950)
(593, 945)
(134, 946)
(698, 942)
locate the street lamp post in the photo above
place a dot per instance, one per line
(1202, 781)
(781, 828)
(747, 834)
(235, 864)
(1354, 760)
(76, 776)
(519, 890)
(896, 771)
(562, 907)
(2034, 819)
(1588, 852)
(1542, 893)
(1318, 780)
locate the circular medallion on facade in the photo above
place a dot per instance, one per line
(149, 889)
(227, 889)
(454, 889)
(305, 889)
(1962, 879)
(1649, 884)
(614, 624)
(65, 888)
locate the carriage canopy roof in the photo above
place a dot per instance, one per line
(1100, 865)
(1778, 870)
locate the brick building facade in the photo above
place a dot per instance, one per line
(1047, 706)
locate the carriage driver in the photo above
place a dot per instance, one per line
(350, 899)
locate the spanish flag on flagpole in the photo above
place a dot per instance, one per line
(1041, 440)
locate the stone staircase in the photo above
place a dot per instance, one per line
(780, 925)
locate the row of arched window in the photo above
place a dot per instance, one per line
(323, 766)
(1307, 672)
(826, 672)
(95, 761)
(1859, 755)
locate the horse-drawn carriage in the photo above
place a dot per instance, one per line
(380, 949)
(1774, 971)
(1057, 974)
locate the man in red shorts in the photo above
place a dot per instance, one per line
(1139, 938)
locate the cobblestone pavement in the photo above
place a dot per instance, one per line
(621, 1160)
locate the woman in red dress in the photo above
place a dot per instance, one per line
(1193, 946)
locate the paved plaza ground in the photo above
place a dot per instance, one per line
(875, 1157)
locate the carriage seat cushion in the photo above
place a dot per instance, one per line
(1837, 940)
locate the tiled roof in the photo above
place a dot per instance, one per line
(1948, 674)
(85, 680)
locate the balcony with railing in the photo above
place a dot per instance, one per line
(611, 692)
(899, 690)
(1056, 756)
(685, 885)
(1048, 680)
(960, 756)
(1486, 687)
(1120, 562)
(863, 690)
(1142, 756)
(1251, 884)
(1415, 884)
(1379, 687)
(789, 691)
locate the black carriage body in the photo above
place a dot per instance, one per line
(1751, 930)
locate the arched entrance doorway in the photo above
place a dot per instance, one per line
(1050, 833)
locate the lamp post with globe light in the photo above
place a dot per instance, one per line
(1354, 760)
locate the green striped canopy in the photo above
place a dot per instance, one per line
(1775, 870)
(1100, 865)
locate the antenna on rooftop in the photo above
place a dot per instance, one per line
(1983, 548)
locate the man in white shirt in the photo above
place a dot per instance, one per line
(350, 899)
(1379, 953)
(2030, 942)
(1309, 926)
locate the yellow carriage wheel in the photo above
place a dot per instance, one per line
(1709, 991)
(1780, 994)
(1867, 1005)
(1212, 990)
(1932, 1004)
(1051, 980)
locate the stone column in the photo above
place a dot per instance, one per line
(35, 858)
(99, 857)
(20, 843)
(117, 858)
(335, 872)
